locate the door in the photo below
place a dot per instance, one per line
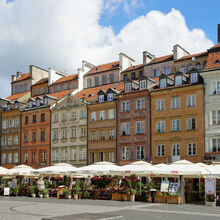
(175, 152)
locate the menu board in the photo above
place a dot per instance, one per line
(164, 186)
(210, 185)
(6, 191)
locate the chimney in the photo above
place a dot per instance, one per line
(218, 33)
(147, 57)
(13, 78)
(19, 74)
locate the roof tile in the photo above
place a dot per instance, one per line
(66, 78)
(16, 96)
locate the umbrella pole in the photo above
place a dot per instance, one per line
(199, 184)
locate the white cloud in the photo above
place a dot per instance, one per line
(62, 33)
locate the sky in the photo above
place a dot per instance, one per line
(61, 34)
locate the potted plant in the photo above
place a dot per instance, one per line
(41, 193)
(86, 194)
(160, 197)
(210, 200)
(46, 193)
(15, 190)
(76, 189)
(132, 194)
(32, 190)
(65, 193)
(124, 196)
(148, 196)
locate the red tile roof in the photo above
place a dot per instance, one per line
(161, 59)
(133, 68)
(23, 77)
(104, 67)
(43, 80)
(193, 55)
(213, 60)
(66, 78)
(91, 93)
(16, 96)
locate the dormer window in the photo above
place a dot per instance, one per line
(16, 105)
(183, 69)
(163, 83)
(38, 102)
(143, 84)
(178, 80)
(9, 106)
(30, 104)
(101, 98)
(194, 78)
(133, 75)
(125, 77)
(189, 67)
(127, 87)
(45, 101)
(110, 96)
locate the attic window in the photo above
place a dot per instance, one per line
(217, 62)
(101, 98)
(143, 84)
(178, 80)
(110, 97)
(127, 87)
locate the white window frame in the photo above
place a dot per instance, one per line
(160, 126)
(125, 128)
(15, 157)
(127, 87)
(93, 116)
(102, 115)
(111, 114)
(217, 140)
(175, 102)
(160, 150)
(110, 96)
(125, 106)
(140, 127)
(190, 147)
(191, 101)
(193, 77)
(178, 80)
(216, 87)
(215, 117)
(174, 125)
(140, 152)
(143, 84)
(190, 124)
(101, 98)
(125, 153)
(140, 104)
(160, 105)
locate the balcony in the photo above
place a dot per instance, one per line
(212, 157)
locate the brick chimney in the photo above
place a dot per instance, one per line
(218, 33)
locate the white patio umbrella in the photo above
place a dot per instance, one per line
(57, 169)
(136, 168)
(3, 171)
(21, 170)
(212, 171)
(99, 168)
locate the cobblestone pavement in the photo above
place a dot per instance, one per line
(22, 208)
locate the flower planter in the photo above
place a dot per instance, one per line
(75, 196)
(41, 195)
(160, 199)
(125, 197)
(46, 195)
(132, 198)
(174, 199)
(116, 196)
(33, 195)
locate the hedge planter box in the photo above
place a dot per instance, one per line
(160, 199)
(116, 196)
(174, 200)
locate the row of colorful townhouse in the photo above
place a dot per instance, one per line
(163, 110)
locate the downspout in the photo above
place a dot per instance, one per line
(50, 152)
(87, 134)
(116, 131)
(149, 133)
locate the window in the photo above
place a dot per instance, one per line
(21, 88)
(125, 128)
(125, 106)
(64, 154)
(191, 101)
(10, 158)
(73, 116)
(41, 90)
(178, 80)
(10, 123)
(191, 124)
(25, 87)
(102, 135)
(166, 70)
(191, 149)
(46, 90)
(34, 118)
(127, 87)
(110, 96)
(55, 89)
(82, 154)
(175, 149)
(198, 66)
(193, 77)
(3, 158)
(101, 156)
(175, 103)
(160, 105)
(83, 132)
(93, 116)
(163, 83)
(26, 120)
(42, 117)
(16, 105)
(33, 157)
(96, 80)
(93, 135)
(140, 73)
(55, 135)
(25, 159)
(103, 79)
(156, 72)
(64, 134)
(111, 114)
(160, 150)
(101, 98)
(111, 134)
(160, 126)
(74, 154)
(3, 143)
(83, 114)
(215, 117)
(16, 122)
(43, 135)
(140, 152)
(55, 155)
(140, 104)
(93, 157)
(69, 86)
(34, 136)
(111, 157)
(125, 76)
(25, 137)
(111, 77)
(16, 140)
(62, 87)
(4, 124)
(189, 67)
(55, 118)
(43, 156)
(45, 100)
(125, 153)
(16, 89)
(133, 75)
(15, 157)
(30, 104)
(73, 133)
(89, 83)
(143, 84)
(216, 87)
(176, 125)
(102, 115)
(183, 69)
(140, 127)
(10, 140)
(64, 117)
(38, 102)
(215, 144)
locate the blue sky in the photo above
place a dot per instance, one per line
(198, 14)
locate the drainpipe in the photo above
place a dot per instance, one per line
(50, 152)
(87, 133)
(116, 132)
